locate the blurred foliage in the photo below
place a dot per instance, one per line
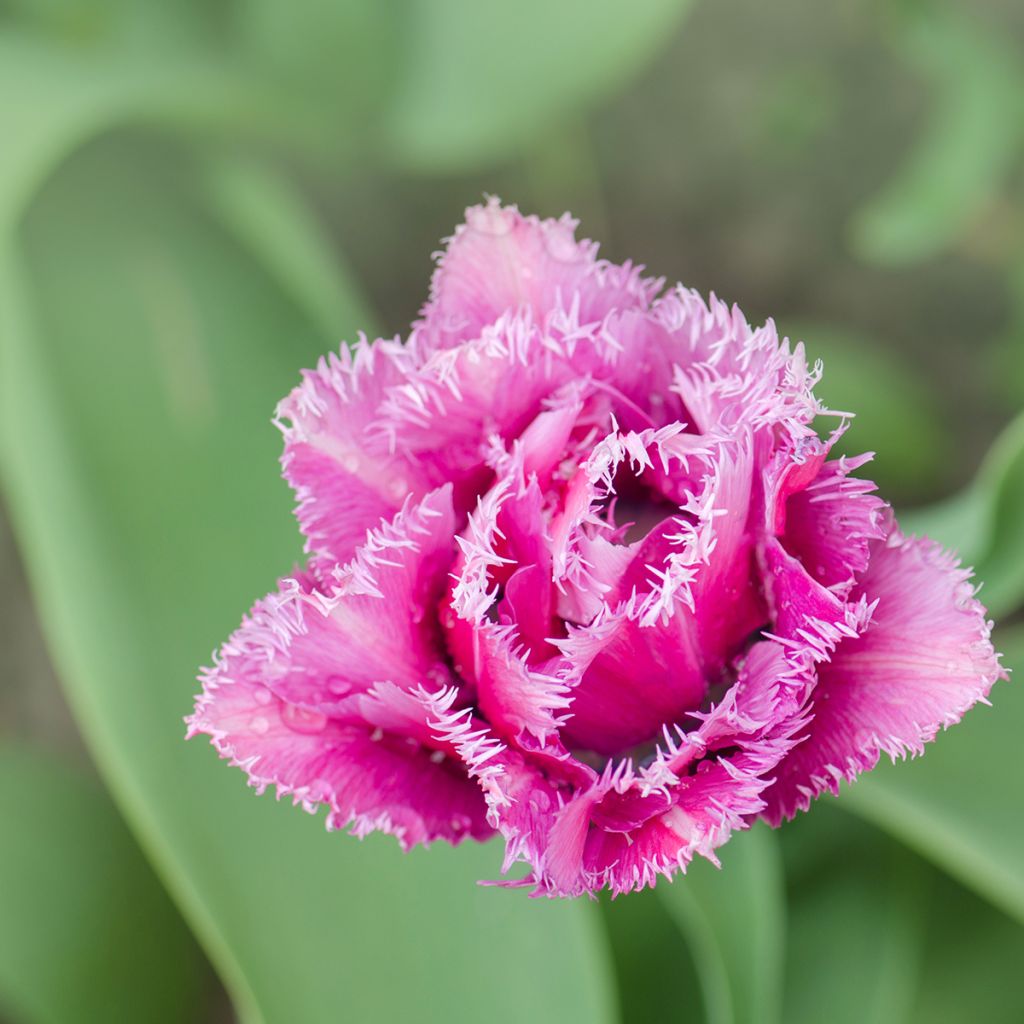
(86, 931)
(734, 919)
(197, 199)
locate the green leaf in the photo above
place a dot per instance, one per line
(968, 147)
(856, 926)
(86, 931)
(265, 213)
(657, 978)
(144, 350)
(80, 92)
(985, 522)
(483, 80)
(971, 962)
(734, 921)
(962, 805)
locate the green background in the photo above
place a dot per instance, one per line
(197, 199)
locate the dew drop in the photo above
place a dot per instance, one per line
(398, 488)
(437, 756)
(303, 720)
(460, 823)
(262, 696)
(259, 725)
(351, 463)
(438, 675)
(338, 685)
(541, 801)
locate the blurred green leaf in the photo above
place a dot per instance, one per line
(971, 963)
(895, 412)
(265, 213)
(79, 92)
(856, 930)
(483, 80)
(1007, 356)
(962, 804)
(343, 56)
(985, 522)
(142, 348)
(973, 135)
(653, 964)
(734, 921)
(150, 24)
(87, 934)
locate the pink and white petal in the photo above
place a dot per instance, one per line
(448, 414)
(499, 261)
(343, 485)
(734, 373)
(923, 660)
(368, 779)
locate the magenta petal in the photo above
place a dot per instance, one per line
(632, 679)
(828, 519)
(922, 661)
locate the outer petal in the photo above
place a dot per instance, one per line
(923, 660)
(316, 693)
(343, 486)
(374, 624)
(368, 778)
(500, 261)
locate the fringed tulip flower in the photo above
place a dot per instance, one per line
(583, 574)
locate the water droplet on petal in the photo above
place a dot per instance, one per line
(351, 463)
(541, 801)
(339, 685)
(303, 720)
(438, 675)
(259, 725)
(262, 695)
(398, 488)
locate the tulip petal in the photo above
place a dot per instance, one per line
(923, 660)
